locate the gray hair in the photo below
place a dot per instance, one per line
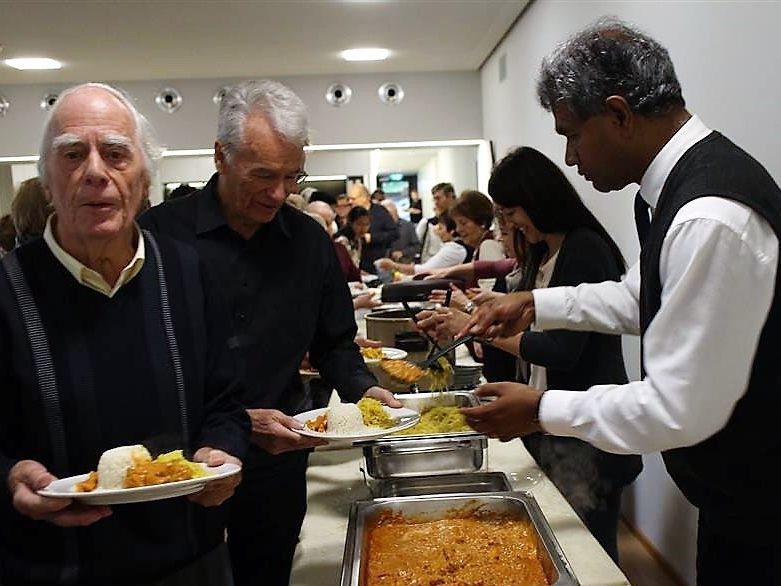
(610, 58)
(144, 133)
(282, 108)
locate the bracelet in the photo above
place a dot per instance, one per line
(469, 307)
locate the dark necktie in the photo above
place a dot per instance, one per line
(642, 218)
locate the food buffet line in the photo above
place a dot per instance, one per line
(350, 487)
(335, 482)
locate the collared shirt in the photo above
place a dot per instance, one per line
(87, 276)
(286, 293)
(717, 266)
(539, 374)
(429, 241)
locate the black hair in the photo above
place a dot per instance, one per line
(356, 213)
(528, 179)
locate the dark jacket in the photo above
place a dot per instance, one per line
(576, 361)
(383, 231)
(407, 242)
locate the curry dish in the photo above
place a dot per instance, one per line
(466, 550)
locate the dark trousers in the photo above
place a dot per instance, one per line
(265, 518)
(602, 521)
(741, 556)
(211, 569)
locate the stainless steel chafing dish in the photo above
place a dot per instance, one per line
(518, 505)
(475, 482)
(421, 455)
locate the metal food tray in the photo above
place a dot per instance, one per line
(421, 401)
(518, 505)
(402, 456)
(475, 482)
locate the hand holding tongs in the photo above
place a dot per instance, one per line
(431, 361)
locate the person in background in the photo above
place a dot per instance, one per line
(415, 207)
(704, 298)
(342, 208)
(378, 196)
(565, 246)
(407, 245)
(498, 364)
(287, 295)
(7, 234)
(29, 210)
(352, 235)
(473, 213)
(297, 201)
(350, 270)
(383, 229)
(443, 195)
(134, 351)
(453, 251)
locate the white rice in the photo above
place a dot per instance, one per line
(114, 463)
(345, 419)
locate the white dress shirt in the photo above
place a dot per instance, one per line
(430, 242)
(449, 254)
(717, 267)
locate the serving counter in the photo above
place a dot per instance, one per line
(335, 480)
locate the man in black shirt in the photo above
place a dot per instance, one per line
(282, 280)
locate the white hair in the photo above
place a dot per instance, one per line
(144, 134)
(281, 107)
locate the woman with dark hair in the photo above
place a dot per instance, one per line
(473, 213)
(564, 245)
(351, 235)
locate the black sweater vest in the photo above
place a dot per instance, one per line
(725, 474)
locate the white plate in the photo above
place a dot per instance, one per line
(389, 353)
(406, 418)
(64, 488)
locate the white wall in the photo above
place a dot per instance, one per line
(727, 63)
(436, 106)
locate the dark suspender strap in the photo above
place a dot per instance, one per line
(42, 358)
(173, 347)
(50, 398)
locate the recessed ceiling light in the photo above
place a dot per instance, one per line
(365, 54)
(33, 63)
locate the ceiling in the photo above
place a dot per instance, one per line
(147, 40)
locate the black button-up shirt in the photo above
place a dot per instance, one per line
(286, 293)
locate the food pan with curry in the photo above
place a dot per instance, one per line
(497, 539)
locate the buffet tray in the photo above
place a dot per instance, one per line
(475, 482)
(403, 456)
(519, 505)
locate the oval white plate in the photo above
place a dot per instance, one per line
(406, 418)
(389, 353)
(64, 488)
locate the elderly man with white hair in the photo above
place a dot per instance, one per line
(109, 336)
(287, 296)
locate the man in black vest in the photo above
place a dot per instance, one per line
(703, 297)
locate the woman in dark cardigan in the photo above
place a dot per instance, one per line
(565, 245)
